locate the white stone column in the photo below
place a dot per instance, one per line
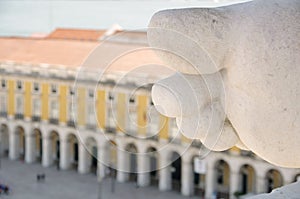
(288, 176)
(13, 146)
(29, 148)
(64, 161)
(187, 184)
(83, 165)
(234, 182)
(47, 152)
(123, 166)
(209, 182)
(164, 174)
(143, 170)
(260, 184)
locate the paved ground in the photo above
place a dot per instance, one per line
(68, 185)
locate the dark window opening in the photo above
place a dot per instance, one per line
(131, 100)
(110, 96)
(91, 93)
(19, 85)
(3, 83)
(53, 89)
(36, 87)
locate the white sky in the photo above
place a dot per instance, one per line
(25, 17)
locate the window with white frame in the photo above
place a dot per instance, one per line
(53, 88)
(3, 102)
(132, 100)
(153, 121)
(53, 109)
(110, 115)
(90, 108)
(36, 106)
(110, 96)
(36, 87)
(111, 109)
(132, 114)
(72, 105)
(91, 113)
(19, 85)
(72, 109)
(91, 93)
(19, 104)
(71, 91)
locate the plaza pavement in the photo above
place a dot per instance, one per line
(21, 178)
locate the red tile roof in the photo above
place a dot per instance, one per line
(121, 57)
(37, 51)
(76, 34)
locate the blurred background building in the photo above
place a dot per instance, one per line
(57, 113)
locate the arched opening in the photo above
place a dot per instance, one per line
(73, 150)
(132, 153)
(199, 179)
(176, 171)
(55, 148)
(92, 148)
(297, 178)
(38, 145)
(274, 180)
(222, 172)
(4, 141)
(20, 138)
(247, 179)
(153, 157)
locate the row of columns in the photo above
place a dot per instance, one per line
(143, 165)
(234, 182)
(47, 155)
(30, 157)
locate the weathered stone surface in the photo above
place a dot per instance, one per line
(255, 47)
(286, 192)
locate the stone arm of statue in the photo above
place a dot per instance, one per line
(237, 80)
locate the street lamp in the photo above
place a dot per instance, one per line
(1, 136)
(112, 172)
(99, 179)
(0, 151)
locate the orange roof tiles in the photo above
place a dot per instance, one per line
(76, 34)
(37, 51)
(119, 56)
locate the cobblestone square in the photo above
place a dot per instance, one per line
(21, 178)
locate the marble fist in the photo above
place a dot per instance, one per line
(238, 76)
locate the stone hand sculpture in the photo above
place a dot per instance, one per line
(238, 80)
